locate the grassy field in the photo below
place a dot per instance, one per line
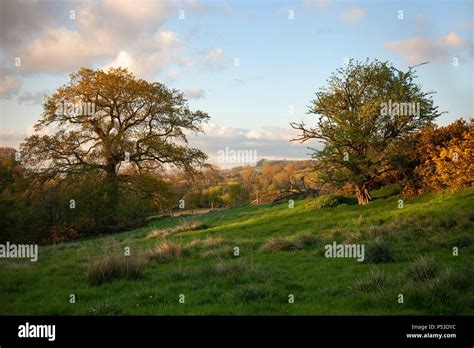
(281, 254)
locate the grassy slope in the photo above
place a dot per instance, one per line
(427, 225)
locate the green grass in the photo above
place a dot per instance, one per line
(259, 281)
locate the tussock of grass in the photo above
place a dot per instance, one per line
(227, 267)
(307, 239)
(379, 251)
(440, 295)
(185, 226)
(375, 281)
(114, 266)
(165, 250)
(158, 233)
(293, 243)
(281, 244)
(423, 269)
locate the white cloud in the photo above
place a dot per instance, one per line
(202, 7)
(452, 39)
(100, 31)
(163, 50)
(9, 84)
(417, 50)
(12, 138)
(61, 50)
(354, 15)
(317, 4)
(32, 97)
(213, 58)
(195, 93)
(270, 142)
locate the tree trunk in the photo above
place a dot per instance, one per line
(112, 187)
(363, 195)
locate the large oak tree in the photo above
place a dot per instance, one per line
(364, 116)
(109, 121)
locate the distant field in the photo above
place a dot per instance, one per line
(261, 279)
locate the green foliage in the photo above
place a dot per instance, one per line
(362, 138)
(329, 201)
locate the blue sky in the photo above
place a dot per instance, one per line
(282, 60)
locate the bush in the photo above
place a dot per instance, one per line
(379, 252)
(61, 234)
(423, 269)
(329, 201)
(114, 266)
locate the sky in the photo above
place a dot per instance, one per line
(253, 66)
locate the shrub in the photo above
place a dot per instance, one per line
(59, 234)
(329, 201)
(422, 269)
(379, 252)
(114, 266)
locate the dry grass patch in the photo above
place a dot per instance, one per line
(158, 233)
(165, 250)
(114, 266)
(185, 226)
